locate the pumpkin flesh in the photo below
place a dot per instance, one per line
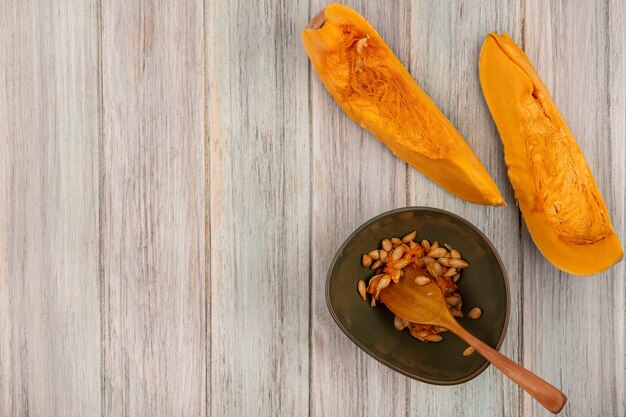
(555, 189)
(372, 86)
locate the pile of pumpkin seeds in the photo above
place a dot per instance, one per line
(443, 264)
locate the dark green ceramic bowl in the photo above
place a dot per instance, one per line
(483, 285)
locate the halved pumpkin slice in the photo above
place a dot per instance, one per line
(555, 189)
(373, 87)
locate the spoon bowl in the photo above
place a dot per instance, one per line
(422, 304)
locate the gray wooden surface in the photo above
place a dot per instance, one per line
(174, 181)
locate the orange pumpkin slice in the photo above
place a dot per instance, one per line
(372, 86)
(555, 189)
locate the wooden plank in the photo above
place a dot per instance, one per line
(260, 185)
(616, 35)
(153, 221)
(49, 309)
(574, 327)
(355, 177)
(445, 42)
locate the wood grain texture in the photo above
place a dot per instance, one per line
(260, 188)
(354, 178)
(443, 52)
(175, 180)
(49, 309)
(574, 327)
(616, 73)
(153, 221)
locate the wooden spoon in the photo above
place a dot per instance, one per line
(425, 304)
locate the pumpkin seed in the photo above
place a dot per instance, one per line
(447, 246)
(434, 269)
(362, 289)
(382, 284)
(358, 64)
(366, 261)
(374, 255)
(455, 254)
(373, 303)
(382, 254)
(456, 277)
(426, 245)
(399, 323)
(413, 245)
(453, 300)
(441, 329)
(377, 264)
(468, 351)
(397, 253)
(396, 241)
(411, 236)
(421, 334)
(450, 273)
(475, 313)
(456, 313)
(434, 245)
(387, 245)
(427, 260)
(444, 261)
(422, 280)
(360, 44)
(405, 247)
(458, 263)
(401, 264)
(371, 286)
(437, 253)
(434, 337)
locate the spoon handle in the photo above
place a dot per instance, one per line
(548, 395)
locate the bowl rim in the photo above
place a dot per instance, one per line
(384, 361)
